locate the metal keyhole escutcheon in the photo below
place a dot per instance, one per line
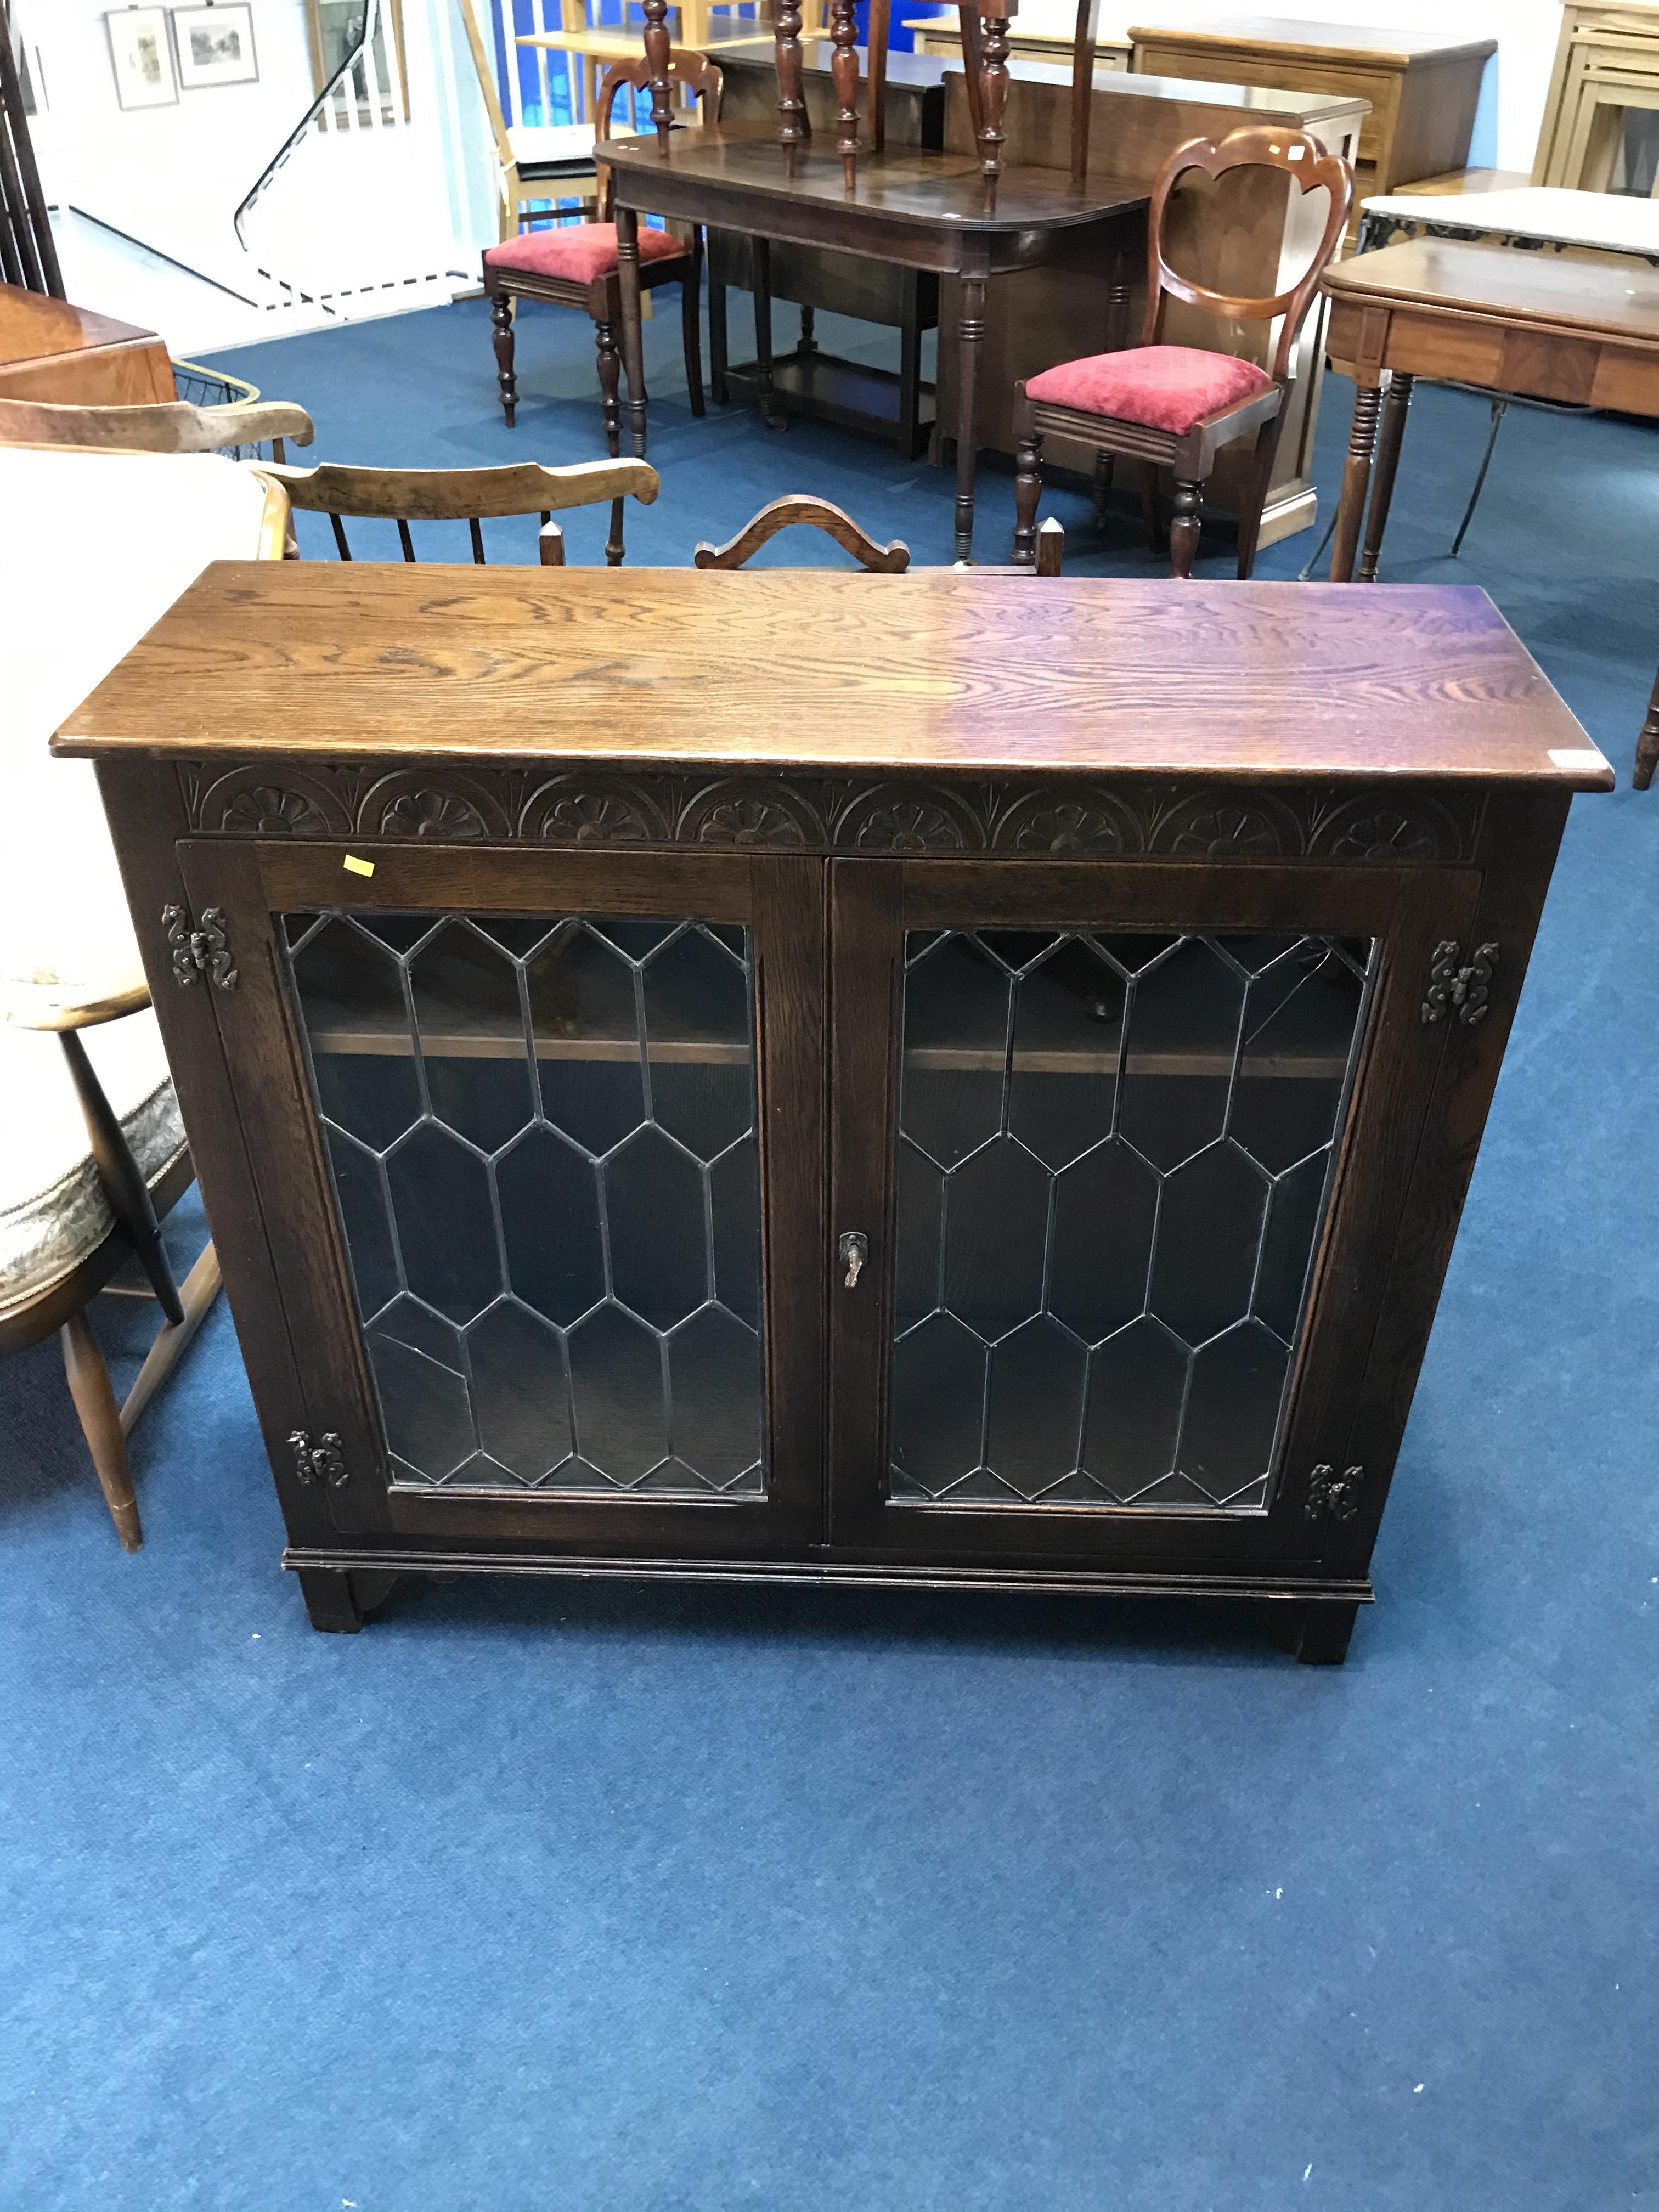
(854, 1250)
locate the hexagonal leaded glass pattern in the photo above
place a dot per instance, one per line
(541, 1135)
(1115, 1156)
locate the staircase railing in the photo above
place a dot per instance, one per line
(361, 56)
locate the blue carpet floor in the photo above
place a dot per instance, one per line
(676, 1901)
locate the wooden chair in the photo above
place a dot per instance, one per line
(28, 253)
(575, 264)
(77, 1211)
(1176, 406)
(891, 560)
(170, 426)
(540, 162)
(93, 1152)
(469, 495)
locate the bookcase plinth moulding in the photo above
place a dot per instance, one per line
(973, 1086)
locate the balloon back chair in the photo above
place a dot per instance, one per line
(1177, 407)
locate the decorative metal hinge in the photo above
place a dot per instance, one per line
(321, 1459)
(203, 952)
(1334, 1493)
(1465, 988)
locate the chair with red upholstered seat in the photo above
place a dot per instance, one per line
(1177, 407)
(574, 264)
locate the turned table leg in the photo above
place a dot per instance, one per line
(1356, 481)
(1647, 746)
(971, 337)
(628, 272)
(1387, 463)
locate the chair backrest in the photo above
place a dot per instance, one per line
(469, 495)
(694, 72)
(492, 100)
(28, 257)
(891, 560)
(168, 426)
(1302, 159)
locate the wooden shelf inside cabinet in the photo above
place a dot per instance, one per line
(1281, 1066)
(332, 1029)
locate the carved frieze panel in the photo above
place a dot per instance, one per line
(585, 807)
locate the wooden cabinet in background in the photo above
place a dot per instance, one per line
(1423, 91)
(983, 1103)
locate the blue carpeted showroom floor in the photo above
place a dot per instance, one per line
(679, 1901)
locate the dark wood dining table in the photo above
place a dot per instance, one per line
(911, 207)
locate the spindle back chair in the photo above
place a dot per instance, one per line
(28, 253)
(162, 426)
(470, 495)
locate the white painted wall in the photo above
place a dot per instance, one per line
(194, 159)
(360, 209)
(1517, 80)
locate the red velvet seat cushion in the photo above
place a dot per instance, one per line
(578, 251)
(1167, 387)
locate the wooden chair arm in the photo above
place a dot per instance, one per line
(72, 1006)
(171, 426)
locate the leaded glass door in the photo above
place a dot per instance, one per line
(1125, 1140)
(541, 1139)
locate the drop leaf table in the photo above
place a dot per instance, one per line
(973, 1089)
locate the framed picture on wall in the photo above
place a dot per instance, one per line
(215, 44)
(141, 58)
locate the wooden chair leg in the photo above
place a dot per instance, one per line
(1104, 464)
(1647, 746)
(1028, 490)
(604, 340)
(692, 325)
(501, 318)
(101, 1423)
(1151, 508)
(201, 1288)
(1183, 530)
(1255, 496)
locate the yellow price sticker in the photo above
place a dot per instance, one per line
(359, 867)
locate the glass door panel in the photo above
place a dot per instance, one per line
(540, 1134)
(1115, 1156)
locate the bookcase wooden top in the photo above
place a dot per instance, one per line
(979, 672)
